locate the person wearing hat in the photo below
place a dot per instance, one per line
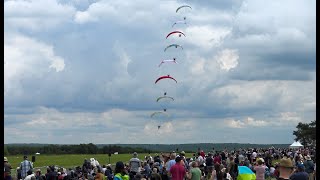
(285, 168)
(120, 172)
(260, 169)
(39, 176)
(183, 155)
(134, 165)
(299, 173)
(7, 169)
(309, 166)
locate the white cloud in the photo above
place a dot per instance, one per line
(290, 117)
(124, 58)
(246, 123)
(228, 59)
(198, 67)
(26, 57)
(129, 13)
(206, 36)
(278, 94)
(281, 30)
(83, 17)
(36, 15)
(113, 49)
(235, 123)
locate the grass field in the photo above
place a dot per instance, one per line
(72, 160)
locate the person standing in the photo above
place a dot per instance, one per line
(178, 171)
(209, 163)
(285, 168)
(299, 173)
(195, 172)
(260, 169)
(232, 167)
(155, 175)
(30, 175)
(99, 175)
(39, 176)
(25, 166)
(120, 172)
(134, 165)
(7, 169)
(171, 162)
(309, 166)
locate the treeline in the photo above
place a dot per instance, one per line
(193, 147)
(70, 149)
(14, 149)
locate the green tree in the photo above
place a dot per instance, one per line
(306, 133)
(5, 151)
(92, 149)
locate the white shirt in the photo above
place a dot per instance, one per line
(228, 176)
(29, 177)
(200, 160)
(104, 170)
(254, 155)
(272, 170)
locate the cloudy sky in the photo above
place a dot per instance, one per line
(84, 71)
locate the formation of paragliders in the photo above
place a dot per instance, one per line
(163, 114)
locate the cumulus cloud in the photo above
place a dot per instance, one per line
(84, 66)
(248, 122)
(34, 15)
(117, 11)
(228, 59)
(206, 36)
(26, 57)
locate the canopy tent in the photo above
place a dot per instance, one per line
(296, 144)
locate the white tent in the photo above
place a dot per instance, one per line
(296, 144)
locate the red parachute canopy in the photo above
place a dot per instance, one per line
(173, 32)
(165, 77)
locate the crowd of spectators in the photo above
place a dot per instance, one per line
(294, 164)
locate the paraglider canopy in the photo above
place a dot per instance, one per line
(163, 97)
(183, 6)
(160, 113)
(173, 45)
(168, 60)
(180, 22)
(174, 32)
(165, 77)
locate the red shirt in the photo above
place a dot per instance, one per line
(202, 154)
(216, 160)
(177, 172)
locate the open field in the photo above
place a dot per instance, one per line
(72, 160)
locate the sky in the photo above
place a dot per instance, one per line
(84, 71)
